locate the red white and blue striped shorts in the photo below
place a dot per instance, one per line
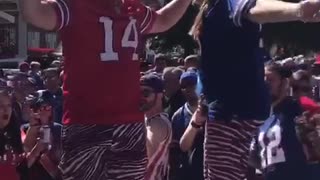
(97, 152)
(226, 149)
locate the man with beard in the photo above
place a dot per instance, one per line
(158, 127)
(103, 135)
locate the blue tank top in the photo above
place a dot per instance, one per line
(232, 67)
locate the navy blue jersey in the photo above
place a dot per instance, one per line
(232, 68)
(280, 153)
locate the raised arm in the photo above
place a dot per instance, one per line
(169, 15)
(41, 14)
(195, 126)
(272, 11)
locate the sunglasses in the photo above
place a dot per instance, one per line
(187, 85)
(147, 92)
(42, 108)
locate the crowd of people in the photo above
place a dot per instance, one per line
(31, 102)
(222, 115)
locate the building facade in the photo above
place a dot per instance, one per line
(16, 36)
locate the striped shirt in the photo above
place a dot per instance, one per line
(158, 160)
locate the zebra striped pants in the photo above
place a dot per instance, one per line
(226, 149)
(97, 152)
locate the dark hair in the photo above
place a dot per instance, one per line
(11, 135)
(302, 75)
(161, 57)
(301, 81)
(279, 69)
(198, 23)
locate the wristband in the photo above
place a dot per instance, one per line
(195, 125)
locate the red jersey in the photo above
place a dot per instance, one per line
(8, 172)
(102, 71)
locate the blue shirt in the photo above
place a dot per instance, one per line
(279, 150)
(232, 67)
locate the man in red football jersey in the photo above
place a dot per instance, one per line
(103, 135)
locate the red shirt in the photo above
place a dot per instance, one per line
(8, 172)
(309, 105)
(102, 71)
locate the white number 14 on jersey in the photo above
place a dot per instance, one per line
(109, 53)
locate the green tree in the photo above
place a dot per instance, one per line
(178, 35)
(298, 37)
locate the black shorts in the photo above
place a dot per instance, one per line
(97, 152)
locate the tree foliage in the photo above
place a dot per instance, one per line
(178, 35)
(298, 37)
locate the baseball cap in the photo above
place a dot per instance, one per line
(23, 65)
(189, 75)
(50, 72)
(153, 81)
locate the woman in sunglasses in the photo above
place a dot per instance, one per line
(12, 163)
(42, 141)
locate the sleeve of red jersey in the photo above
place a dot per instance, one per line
(147, 18)
(63, 13)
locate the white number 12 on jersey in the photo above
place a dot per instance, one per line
(272, 153)
(109, 53)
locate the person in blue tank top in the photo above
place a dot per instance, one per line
(232, 75)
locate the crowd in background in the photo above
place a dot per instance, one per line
(31, 102)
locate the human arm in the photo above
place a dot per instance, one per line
(35, 153)
(158, 130)
(42, 13)
(31, 137)
(273, 11)
(254, 160)
(32, 132)
(169, 15)
(196, 122)
(39, 153)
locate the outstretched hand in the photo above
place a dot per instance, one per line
(310, 10)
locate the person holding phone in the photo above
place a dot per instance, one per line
(186, 159)
(41, 138)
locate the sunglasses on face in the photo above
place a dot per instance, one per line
(147, 92)
(43, 108)
(187, 85)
